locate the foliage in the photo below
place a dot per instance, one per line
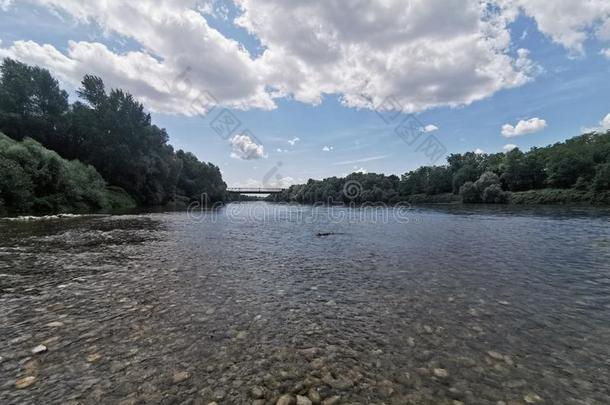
(356, 188)
(106, 129)
(470, 193)
(494, 195)
(486, 189)
(601, 181)
(199, 178)
(581, 163)
(35, 178)
(559, 196)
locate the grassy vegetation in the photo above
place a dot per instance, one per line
(560, 196)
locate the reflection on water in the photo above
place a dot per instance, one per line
(473, 305)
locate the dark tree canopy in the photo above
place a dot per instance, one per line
(108, 130)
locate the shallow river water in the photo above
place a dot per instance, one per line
(257, 303)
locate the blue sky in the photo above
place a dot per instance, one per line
(300, 125)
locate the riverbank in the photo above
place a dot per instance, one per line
(547, 196)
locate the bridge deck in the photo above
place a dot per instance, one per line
(251, 190)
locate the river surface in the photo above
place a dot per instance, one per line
(255, 303)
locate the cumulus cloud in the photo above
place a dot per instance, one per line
(294, 140)
(245, 148)
(168, 74)
(479, 151)
(5, 4)
(455, 52)
(508, 147)
(430, 128)
(605, 52)
(604, 125)
(567, 22)
(425, 53)
(327, 148)
(523, 127)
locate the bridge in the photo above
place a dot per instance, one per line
(250, 190)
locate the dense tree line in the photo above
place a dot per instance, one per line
(580, 165)
(108, 130)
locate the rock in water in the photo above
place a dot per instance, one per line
(92, 358)
(495, 355)
(314, 395)
(25, 382)
(334, 400)
(39, 349)
(532, 398)
(441, 373)
(180, 376)
(301, 400)
(257, 392)
(285, 400)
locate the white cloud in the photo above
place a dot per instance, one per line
(604, 125)
(5, 4)
(361, 170)
(508, 147)
(524, 127)
(245, 148)
(526, 65)
(605, 52)
(168, 74)
(479, 151)
(568, 22)
(455, 52)
(366, 159)
(294, 140)
(426, 53)
(430, 128)
(327, 148)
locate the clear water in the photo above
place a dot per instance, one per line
(475, 305)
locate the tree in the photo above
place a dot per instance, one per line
(469, 193)
(566, 166)
(601, 181)
(31, 103)
(109, 130)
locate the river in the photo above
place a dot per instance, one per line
(254, 301)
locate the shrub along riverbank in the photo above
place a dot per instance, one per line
(105, 138)
(39, 180)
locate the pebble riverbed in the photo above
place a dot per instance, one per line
(454, 308)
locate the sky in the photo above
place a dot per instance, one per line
(276, 92)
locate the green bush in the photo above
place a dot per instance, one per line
(470, 193)
(35, 178)
(487, 189)
(494, 195)
(601, 181)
